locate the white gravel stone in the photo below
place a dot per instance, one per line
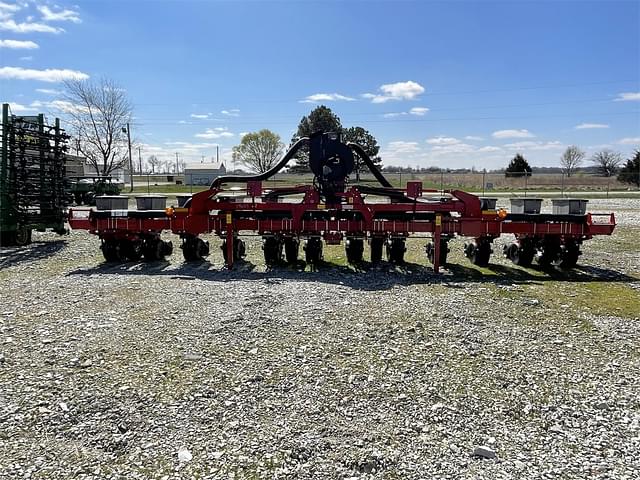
(484, 452)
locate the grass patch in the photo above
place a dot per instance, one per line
(570, 299)
(608, 299)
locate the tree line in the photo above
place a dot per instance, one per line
(607, 163)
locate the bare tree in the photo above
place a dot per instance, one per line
(98, 113)
(154, 162)
(607, 162)
(259, 150)
(571, 159)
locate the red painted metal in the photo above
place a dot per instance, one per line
(450, 213)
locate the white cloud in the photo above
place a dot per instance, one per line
(19, 108)
(57, 105)
(420, 111)
(326, 97)
(48, 91)
(199, 115)
(443, 141)
(192, 146)
(529, 145)
(242, 134)
(396, 91)
(48, 75)
(394, 114)
(26, 59)
(8, 7)
(403, 147)
(627, 97)
(234, 112)
(489, 149)
(25, 44)
(585, 126)
(64, 15)
(629, 141)
(182, 122)
(213, 133)
(450, 148)
(473, 138)
(28, 27)
(512, 134)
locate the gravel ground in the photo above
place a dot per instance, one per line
(171, 370)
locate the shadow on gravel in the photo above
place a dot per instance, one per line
(535, 274)
(364, 276)
(10, 256)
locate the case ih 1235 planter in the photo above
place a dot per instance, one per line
(333, 210)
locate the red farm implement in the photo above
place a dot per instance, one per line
(333, 211)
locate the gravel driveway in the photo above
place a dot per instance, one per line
(179, 371)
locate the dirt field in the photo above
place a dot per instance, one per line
(173, 370)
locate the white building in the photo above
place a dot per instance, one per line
(202, 173)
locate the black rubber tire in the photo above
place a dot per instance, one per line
(569, 256)
(22, 236)
(395, 250)
(194, 249)
(313, 250)
(376, 245)
(112, 251)
(153, 250)
(131, 249)
(521, 255)
(272, 249)
(291, 249)
(239, 250)
(354, 249)
(480, 254)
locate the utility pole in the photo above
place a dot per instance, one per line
(130, 160)
(140, 160)
(218, 154)
(484, 173)
(176, 162)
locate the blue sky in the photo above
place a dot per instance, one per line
(451, 84)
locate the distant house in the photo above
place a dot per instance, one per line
(202, 173)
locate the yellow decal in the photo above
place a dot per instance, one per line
(321, 206)
(438, 220)
(228, 218)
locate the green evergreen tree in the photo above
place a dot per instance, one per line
(519, 167)
(630, 173)
(321, 119)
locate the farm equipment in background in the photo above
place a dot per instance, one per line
(331, 211)
(32, 183)
(85, 189)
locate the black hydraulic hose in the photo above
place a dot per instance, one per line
(369, 163)
(385, 193)
(261, 176)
